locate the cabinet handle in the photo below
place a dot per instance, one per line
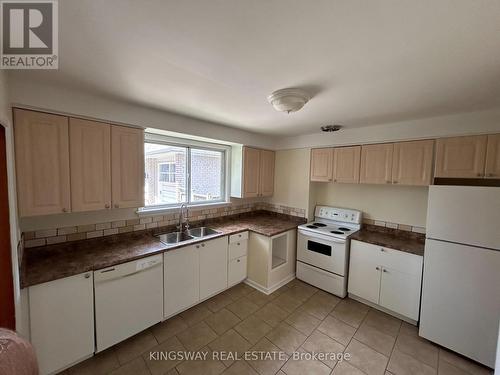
(479, 175)
(384, 270)
(238, 244)
(197, 246)
(335, 180)
(394, 182)
(117, 205)
(238, 261)
(202, 245)
(388, 182)
(87, 275)
(377, 268)
(381, 249)
(106, 205)
(64, 210)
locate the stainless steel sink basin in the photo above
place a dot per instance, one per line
(202, 232)
(175, 238)
(190, 235)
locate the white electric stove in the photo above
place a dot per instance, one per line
(323, 249)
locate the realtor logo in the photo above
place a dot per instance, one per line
(29, 34)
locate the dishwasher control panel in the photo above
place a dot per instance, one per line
(142, 264)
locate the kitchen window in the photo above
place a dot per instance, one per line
(181, 171)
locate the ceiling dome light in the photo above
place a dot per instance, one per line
(288, 100)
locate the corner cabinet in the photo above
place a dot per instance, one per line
(387, 278)
(66, 164)
(62, 321)
(252, 172)
(42, 163)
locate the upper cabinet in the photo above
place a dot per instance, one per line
(90, 151)
(127, 166)
(376, 164)
(346, 162)
(42, 163)
(252, 172)
(321, 164)
(461, 157)
(412, 163)
(266, 173)
(72, 165)
(492, 168)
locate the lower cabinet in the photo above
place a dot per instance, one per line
(181, 279)
(237, 260)
(386, 277)
(62, 321)
(194, 273)
(213, 267)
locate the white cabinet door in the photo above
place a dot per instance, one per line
(364, 280)
(62, 321)
(213, 266)
(237, 270)
(400, 292)
(181, 278)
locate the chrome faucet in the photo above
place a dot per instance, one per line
(180, 227)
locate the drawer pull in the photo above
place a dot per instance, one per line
(238, 260)
(197, 246)
(384, 270)
(377, 268)
(238, 244)
(202, 245)
(87, 275)
(382, 250)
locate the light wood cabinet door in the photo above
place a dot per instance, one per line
(376, 164)
(251, 172)
(346, 162)
(321, 164)
(90, 151)
(461, 157)
(213, 266)
(412, 163)
(127, 166)
(42, 163)
(492, 169)
(266, 173)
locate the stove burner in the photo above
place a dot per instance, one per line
(344, 229)
(336, 232)
(319, 224)
(312, 226)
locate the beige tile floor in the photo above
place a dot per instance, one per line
(296, 318)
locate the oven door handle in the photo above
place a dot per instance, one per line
(312, 236)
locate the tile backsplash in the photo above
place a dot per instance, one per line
(386, 224)
(80, 232)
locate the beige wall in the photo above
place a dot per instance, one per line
(291, 179)
(395, 204)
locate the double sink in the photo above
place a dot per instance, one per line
(176, 238)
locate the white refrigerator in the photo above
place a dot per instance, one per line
(460, 307)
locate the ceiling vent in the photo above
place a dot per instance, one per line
(288, 100)
(331, 128)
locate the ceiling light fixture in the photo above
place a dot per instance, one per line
(331, 128)
(288, 100)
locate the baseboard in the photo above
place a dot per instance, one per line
(270, 290)
(387, 311)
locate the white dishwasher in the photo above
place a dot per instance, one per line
(128, 299)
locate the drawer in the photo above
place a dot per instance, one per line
(237, 270)
(238, 237)
(238, 249)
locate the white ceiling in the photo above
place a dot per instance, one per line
(365, 62)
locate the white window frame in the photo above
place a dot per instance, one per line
(188, 143)
(169, 173)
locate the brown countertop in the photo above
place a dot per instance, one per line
(408, 242)
(47, 263)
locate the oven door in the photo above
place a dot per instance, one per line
(325, 252)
